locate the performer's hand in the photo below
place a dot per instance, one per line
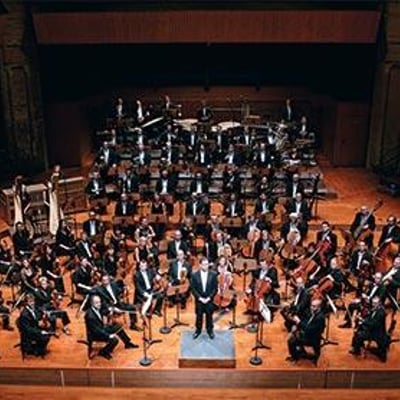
(147, 295)
(113, 336)
(296, 319)
(366, 226)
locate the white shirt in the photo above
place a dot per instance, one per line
(124, 207)
(177, 246)
(164, 186)
(298, 205)
(97, 312)
(230, 158)
(262, 156)
(119, 110)
(233, 211)
(106, 155)
(92, 228)
(204, 277)
(360, 256)
(140, 113)
(110, 291)
(141, 157)
(198, 187)
(202, 157)
(146, 280)
(294, 189)
(194, 208)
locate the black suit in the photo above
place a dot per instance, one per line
(175, 279)
(371, 225)
(82, 276)
(141, 290)
(204, 162)
(202, 182)
(170, 184)
(96, 191)
(200, 208)
(210, 291)
(390, 232)
(204, 114)
(130, 208)
(238, 209)
(97, 225)
(21, 241)
(292, 206)
(309, 333)
(332, 239)
(292, 188)
(171, 249)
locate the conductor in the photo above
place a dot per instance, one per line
(204, 286)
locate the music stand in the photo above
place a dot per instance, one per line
(262, 316)
(149, 338)
(233, 324)
(175, 291)
(325, 340)
(165, 329)
(244, 265)
(145, 361)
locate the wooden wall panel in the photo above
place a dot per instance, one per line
(208, 27)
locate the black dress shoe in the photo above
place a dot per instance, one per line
(211, 335)
(196, 334)
(131, 345)
(291, 359)
(107, 356)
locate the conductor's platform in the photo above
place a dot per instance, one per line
(204, 352)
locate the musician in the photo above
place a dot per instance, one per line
(328, 239)
(97, 330)
(295, 224)
(195, 206)
(262, 157)
(125, 207)
(180, 272)
(119, 109)
(129, 181)
(191, 140)
(372, 327)
(165, 184)
(169, 155)
(29, 275)
(299, 306)
(84, 247)
(93, 226)
(203, 157)
(21, 200)
(82, 277)
(5, 314)
(21, 239)
(6, 258)
(335, 274)
(264, 205)
(361, 263)
(392, 279)
(50, 267)
(144, 229)
(265, 242)
(232, 156)
(377, 288)
(141, 157)
(225, 285)
(253, 224)
(231, 182)
(188, 231)
(266, 270)
(65, 240)
(111, 294)
(390, 232)
(48, 301)
(175, 245)
(34, 338)
(204, 113)
(221, 144)
(139, 112)
(214, 248)
(364, 224)
(204, 286)
(287, 112)
(265, 184)
(233, 207)
(299, 206)
(294, 185)
(95, 187)
(307, 331)
(146, 282)
(107, 155)
(199, 185)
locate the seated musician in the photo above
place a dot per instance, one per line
(82, 277)
(363, 225)
(362, 303)
(110, 262)
(233, 207)
(98, 330)
(165, 184)
(392, 280)
(294, 185)
(221, 144)
(187, 229)
(372, 327)
(144, 229)
(262, 157)
(203, 157)
(50, 267)
(214, 248)
(112, 298)
(204, 113)
(225, 298)
(93, 227)
(6, 257)
(199, 184)
(264, 205)
(232, 156)
(169, 155)
(95, 188)
(267, 269)
(361, 263)
(295, 224)
(29, 274)
(129, 181)
(213, 226)
(141, 157)
(146, 287)
(265, 184)
(125, 207)
(390, 232)
(107, 155)
(307, 331)
(21, 240)
(84, 247)
(65, 240)
(35, 336)
(231, 182)
(195, 206)
(253, 224)
(299, 306)
(180, 272)
(287, 113)
(176, 244)
(168, 136)
(48, 301)
(327, 239)
(299, 206)
(264, 243)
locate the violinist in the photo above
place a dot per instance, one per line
(295, 226)
(390, 232)
(144, 229)
(111, 294)
(233, 207)
(146, 286)
(363, 225)
(264, 244)
(299, 206)
(362, 303)
(34, 337)
(98, 330)
(307, 331)
(299, 305)
(253, 227)
(372, 327)
(21, 240)
(326, 242)
(180, 272)
(65, 240)
(48, 301)
(361, 263)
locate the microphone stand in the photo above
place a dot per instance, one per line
(256, 359)
(233, 324)
(145, 361)
(165, 329)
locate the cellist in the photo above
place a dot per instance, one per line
(225, 298)
(326, 242)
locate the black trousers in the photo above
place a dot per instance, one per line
(207, 310)
(297, 341)
(361, 335)
(111, 343)
(132, 314)
(58, 314)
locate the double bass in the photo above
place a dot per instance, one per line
(225, 295)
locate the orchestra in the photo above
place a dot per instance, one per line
(180, 223)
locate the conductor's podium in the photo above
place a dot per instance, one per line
(204, 352)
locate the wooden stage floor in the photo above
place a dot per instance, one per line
(67, 362)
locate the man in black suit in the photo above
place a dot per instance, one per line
(65, 240)
(361, 263)
(107, 155)
(165, 184)
(97, 330)
(307, 331)
(299, 206)
(34, 339)
(231, 182)
(372, 327)
(293, 186)
(195, 207)
(199, 185)
(111, 294)
(175, 245)
(96, 188)
(288, 112)
(203, 157)
(142, 157)
(125, 207)
(129, 182)
(82, 277)
(327, 237)
(21, 239)
(180, 272)
(169, 155)
(92, 226)
(204, 286)
(233, 156)
(234, 207)
(204, 113)
(390, 232)
(263, 205)
(363, 221)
